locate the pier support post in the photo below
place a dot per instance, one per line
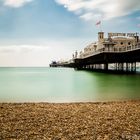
(116, 67)
(121, 66)
(95, 66)
(133, 67)
(106, 66)
(127, 68)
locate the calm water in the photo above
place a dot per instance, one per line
(65, 85)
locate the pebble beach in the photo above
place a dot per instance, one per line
(70, 121)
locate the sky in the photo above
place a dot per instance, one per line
(35, 32)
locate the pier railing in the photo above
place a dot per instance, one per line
(112, 50)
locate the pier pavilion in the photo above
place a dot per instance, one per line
(121, 50)
(118, 51)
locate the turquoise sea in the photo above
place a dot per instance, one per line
(65, 85)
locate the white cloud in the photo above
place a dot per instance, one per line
(15, 3)
(90, 16)
(24, 55)
(97, 9)
(35, 54)
(23, 48)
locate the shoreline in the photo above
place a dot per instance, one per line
(68, 121)
(74, 102)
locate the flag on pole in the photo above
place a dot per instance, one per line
(98, 23)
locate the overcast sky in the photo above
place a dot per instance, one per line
(34, 32)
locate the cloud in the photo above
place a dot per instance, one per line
(90, 16)
(91, 10)
(24, 55)
(23, 48)
(16, 3)
(33, 54)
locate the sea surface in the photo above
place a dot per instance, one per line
(65, 85)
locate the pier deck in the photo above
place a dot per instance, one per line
(124, 60)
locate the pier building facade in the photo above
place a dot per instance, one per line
(121, 51)
(116, 42)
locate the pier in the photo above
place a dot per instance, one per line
(121, 60)
(119, 52)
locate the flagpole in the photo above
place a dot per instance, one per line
(101, 26)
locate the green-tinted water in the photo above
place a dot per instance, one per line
(65, 85)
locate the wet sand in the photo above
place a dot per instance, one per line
(74, 121)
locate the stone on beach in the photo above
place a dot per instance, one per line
(70, 121)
